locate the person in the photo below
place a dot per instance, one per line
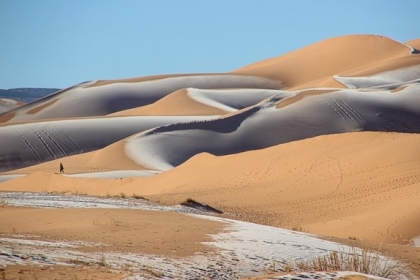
(61, 168)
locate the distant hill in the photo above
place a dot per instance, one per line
(26, 95)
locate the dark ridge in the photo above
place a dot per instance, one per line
(200, 206)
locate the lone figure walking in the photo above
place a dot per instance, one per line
(61, 168)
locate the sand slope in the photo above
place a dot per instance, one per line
(8, 104)
(311, 65)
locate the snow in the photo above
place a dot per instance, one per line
(340, 111)
(391, 78)
(243, 249)
(231, 100)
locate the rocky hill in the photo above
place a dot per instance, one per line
(26, 95)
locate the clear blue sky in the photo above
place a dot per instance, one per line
(53, 43)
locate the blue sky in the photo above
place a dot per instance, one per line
(51, 43)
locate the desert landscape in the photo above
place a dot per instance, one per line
(301, 166)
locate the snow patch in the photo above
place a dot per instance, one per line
(392, 78)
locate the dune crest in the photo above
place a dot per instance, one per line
(326, 58)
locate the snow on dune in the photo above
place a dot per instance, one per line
(231, 100)
(86, 100)
(415, 45)
(33, 143)
(389, 79)
(265, 125)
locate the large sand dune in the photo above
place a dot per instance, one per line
(33, 143)
(193, 101)
(279, 119)
(88, 100)
(333, 56)
(323, 139)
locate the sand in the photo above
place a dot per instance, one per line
(415, 43)
(315, 184)
(132, 230)
(83, 100)
(60, 272)
(332, 56)
(8, 104)
(323, 139)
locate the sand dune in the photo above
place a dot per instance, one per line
(86, 100)
(33, 143)
(8, 104)
(333, 55)
(313, 64)
(193, 101)
(272, 122)
(355, 184)
(174, 104)
(415, 43)
(389, 79)
(323, 139)
(341, 185)
(110, 158)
